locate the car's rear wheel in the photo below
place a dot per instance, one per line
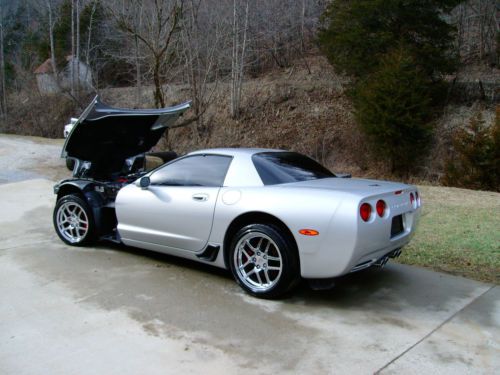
(73, 221)
(264, 261)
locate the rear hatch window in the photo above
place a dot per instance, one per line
(285, 167)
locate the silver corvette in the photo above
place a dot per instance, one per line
(272, 217)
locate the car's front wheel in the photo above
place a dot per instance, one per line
(73, 221)
(264, 261)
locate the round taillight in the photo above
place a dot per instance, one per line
(365, 211)
(380, 207)
(412, 199)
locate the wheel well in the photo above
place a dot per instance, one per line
(67, 190)
(253, 218)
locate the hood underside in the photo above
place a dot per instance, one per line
(107, 136)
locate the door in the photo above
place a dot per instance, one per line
(177, 208)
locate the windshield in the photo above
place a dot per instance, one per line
(284, 167)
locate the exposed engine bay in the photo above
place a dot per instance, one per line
(109, 148)
(101, 193)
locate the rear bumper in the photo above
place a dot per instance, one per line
(351, 246)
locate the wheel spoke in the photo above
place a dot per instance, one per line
(271, 268)
(259, 244)
(266, 275)
(251, 272)
(243, 251)
(273, 258)
(250, 246)
(267, 247)
(259, 278)
(245, 264)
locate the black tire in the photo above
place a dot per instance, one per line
(77, 233)
(70, 164)
(273, 283)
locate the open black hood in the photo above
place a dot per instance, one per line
(107, 136)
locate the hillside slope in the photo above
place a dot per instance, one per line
(302, 108)
(290, 109)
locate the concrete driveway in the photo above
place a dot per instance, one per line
(117, 310)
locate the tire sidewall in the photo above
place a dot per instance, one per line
(70, 164)
(90, 235)
(290, 271)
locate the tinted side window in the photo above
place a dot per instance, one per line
(283, 167)
(198, 170)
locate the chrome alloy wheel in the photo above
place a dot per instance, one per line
(72, 222)
(258, 261)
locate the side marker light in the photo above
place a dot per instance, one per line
(309, 232)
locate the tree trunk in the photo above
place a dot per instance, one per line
(234, 66)
(138, 82)
(159, 100)
(89, 38)
(138, 92)
(52, 46)
(3, 104)
(72, 60)
(238, 60)
(242, 59)
(77, 14)
(302, 26)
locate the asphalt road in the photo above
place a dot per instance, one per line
(117, 310)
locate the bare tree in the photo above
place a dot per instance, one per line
(72, 70)
(89, 37)
(201, 43)
(478, 27)
(158, 29)
(77, 54)
(238, 57)
(137, 26)
(3, 103)
(52, 22)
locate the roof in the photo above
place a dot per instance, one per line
(45, 68)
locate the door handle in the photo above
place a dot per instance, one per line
(200, 197)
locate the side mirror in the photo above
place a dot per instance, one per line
(144, 182)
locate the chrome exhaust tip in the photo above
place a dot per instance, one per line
(381, 262)
(396, 253)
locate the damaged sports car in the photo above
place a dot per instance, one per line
(271, 217)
